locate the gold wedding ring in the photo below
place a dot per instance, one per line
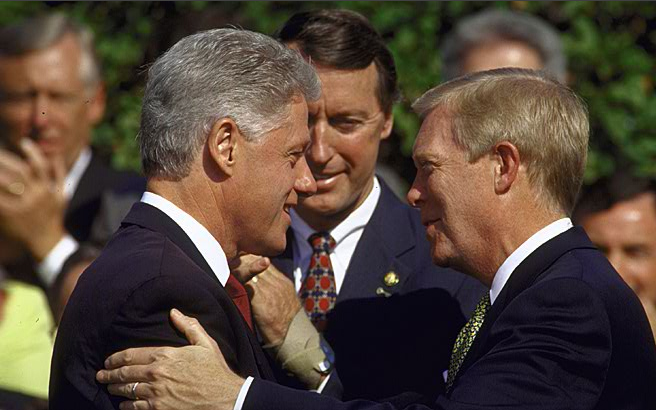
(16, 188)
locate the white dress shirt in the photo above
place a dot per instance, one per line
(67, 245)
(346, 235)
(528, 247)
(203, 240)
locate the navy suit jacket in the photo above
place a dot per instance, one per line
(565, 333)
(123, 300)
(392, 339)
(87, 208)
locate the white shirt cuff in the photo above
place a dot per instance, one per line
(323, 384)
(241, 397)
(51, 265)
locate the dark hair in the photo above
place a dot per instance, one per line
(344, 40)
(608, 191)
(86, 253)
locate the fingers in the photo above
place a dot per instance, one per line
(133, 356)
(59, 172)
(36, 160)
(192, 330)
(135, 405)
(12, 167)
(126, 374)
(246, 267)
(128, 390)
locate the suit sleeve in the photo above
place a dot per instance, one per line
(551, 350)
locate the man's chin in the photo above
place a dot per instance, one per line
(271, 248)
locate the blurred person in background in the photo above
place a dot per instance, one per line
(55, 191)
(25, 340)
(62, 288)
(619, 215)
(502, 38)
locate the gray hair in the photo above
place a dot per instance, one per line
(41, 32)
(492, 25)
(222, 73)
(545, 120)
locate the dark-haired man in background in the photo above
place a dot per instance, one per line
(619, 214)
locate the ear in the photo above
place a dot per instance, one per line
(506, 168)
(387, 125)
(97, 101)
(222, 144)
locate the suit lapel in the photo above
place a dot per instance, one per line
(149, 217)
(522, 278)
(387, 235)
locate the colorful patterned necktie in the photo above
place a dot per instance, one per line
(239, 297)
(319, 292)
(466, 338)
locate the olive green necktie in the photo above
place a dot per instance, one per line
(466, 338)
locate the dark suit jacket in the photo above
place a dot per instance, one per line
(123, 300)
(103, 197)
(565, 333)
(391, 339)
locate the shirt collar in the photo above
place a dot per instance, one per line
(528, 247)
(356, 220)
(206, 244)
(73, 177)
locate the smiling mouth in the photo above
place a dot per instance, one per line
(320, 177)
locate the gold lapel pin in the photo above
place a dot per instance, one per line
(391, 279)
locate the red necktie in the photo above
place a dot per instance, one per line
(239, 297)
(319, 290)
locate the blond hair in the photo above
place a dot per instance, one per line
(544, 119)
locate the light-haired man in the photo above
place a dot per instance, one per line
(55, 191)
(500, 158)
(222, 138)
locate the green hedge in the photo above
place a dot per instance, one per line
(611, 47)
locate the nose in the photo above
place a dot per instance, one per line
(40, 111)
(415, 195)
(305, 184)
(320, 150)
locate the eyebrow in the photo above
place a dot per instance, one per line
(423, 156)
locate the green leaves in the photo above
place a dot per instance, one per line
(611, 48)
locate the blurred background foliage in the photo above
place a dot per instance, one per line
(611, 47)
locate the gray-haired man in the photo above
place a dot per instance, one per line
(223, 132)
